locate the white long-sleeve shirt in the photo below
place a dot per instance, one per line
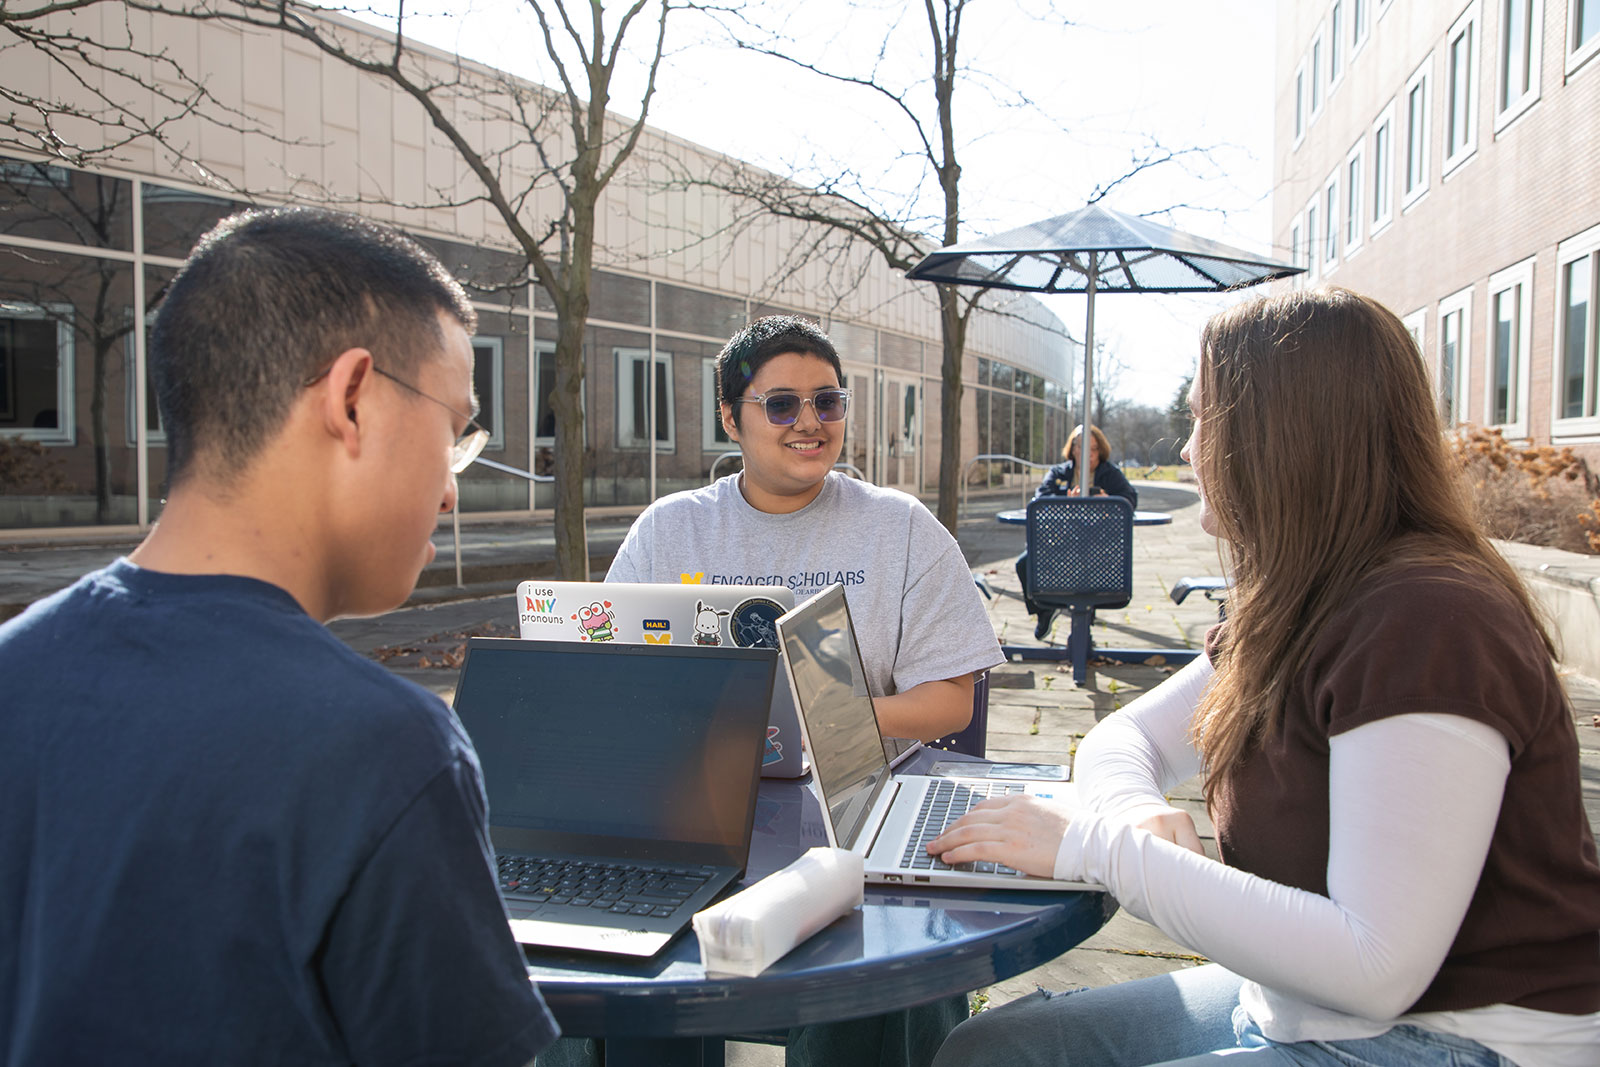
(1413, 802)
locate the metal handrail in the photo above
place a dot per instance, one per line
(840, 466)
(455, 512)
(966, 469)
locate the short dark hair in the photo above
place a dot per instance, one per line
(267, 300)
(760, 341)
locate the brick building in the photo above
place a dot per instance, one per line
(1444, 157)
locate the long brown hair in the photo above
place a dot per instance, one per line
(1323, 461)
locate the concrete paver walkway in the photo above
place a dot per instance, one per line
(1035, 711)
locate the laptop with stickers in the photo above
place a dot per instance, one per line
(621, 782)
(673, 616)
(885, 818)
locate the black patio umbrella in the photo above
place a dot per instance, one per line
(1097, 250)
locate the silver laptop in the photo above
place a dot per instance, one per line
(676, 616)
(885, 818)
(621, 782)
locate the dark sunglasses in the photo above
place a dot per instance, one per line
(784, 408)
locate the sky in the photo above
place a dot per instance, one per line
(1060, 98)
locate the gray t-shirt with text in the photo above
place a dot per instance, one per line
(917, 613)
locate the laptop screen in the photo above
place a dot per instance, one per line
(831, 688)
(655, 750)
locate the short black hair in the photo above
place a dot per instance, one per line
(760, 341)
(266, 301)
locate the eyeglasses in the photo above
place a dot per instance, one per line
(784, 408)
(467, 447)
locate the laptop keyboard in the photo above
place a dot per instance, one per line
(944, 803)
(618, 888)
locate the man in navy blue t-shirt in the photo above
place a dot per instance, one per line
(225, 838)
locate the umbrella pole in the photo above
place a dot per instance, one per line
(1085, 475)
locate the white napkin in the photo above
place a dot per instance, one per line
(749, 931)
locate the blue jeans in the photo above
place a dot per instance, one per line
(1189, 1018)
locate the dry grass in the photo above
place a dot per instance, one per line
(1539, 496)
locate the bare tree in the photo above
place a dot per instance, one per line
(563, 140)
(891, 217)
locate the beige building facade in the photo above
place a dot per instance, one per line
(1444, 157)
(84, 253)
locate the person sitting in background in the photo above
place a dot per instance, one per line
(1062, 480)
(789, 518)
(1407, 874)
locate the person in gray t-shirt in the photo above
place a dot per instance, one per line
(789, 519)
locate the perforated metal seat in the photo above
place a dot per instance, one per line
(1080, 557)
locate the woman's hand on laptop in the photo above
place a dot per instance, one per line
(1019, 831)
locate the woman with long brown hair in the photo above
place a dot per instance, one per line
(1407, 874)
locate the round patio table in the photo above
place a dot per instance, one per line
(903, 947)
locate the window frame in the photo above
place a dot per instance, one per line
(1416, 324)
(496, 347)
(1383, 186)
(1332, 224)
(1585, 245)
(1337, 59)
(623, 355)
(1577, 54)
(711, 411)
(1507, 113)
(1296, 227)
(1360, 25)
(1457, 303)
(1313, 232)
(1472, 26)
(1422, 77)
(1355, 161)
(65, 432)
(1319, 96)
(1300, 115)
(1518, 378)
(541, 349)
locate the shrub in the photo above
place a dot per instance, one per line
(1538, 495)
(29, 467)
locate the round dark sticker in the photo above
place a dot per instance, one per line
(754, 622)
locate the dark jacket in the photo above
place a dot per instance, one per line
(1108, 479)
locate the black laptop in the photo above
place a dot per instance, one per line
(621, 782)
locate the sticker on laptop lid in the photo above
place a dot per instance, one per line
(754, 622)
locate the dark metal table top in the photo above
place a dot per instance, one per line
(902, 947)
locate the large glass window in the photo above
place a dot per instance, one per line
(1300, 102)
(1354, 174)
(634, 395)
(50, 203)
(1577, 399)
(1316, 76)
(1383, 169)
(1313, 236)
(1417, 123)
(1578, 339)
(1521, 38)
(174, 219)
(1510, 322)
(1330, 224)
(1335, 43)
(1455, 336)
(713, 438)
(1583, 32)
(36, 372)
(1461, 73)
(488, 381)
